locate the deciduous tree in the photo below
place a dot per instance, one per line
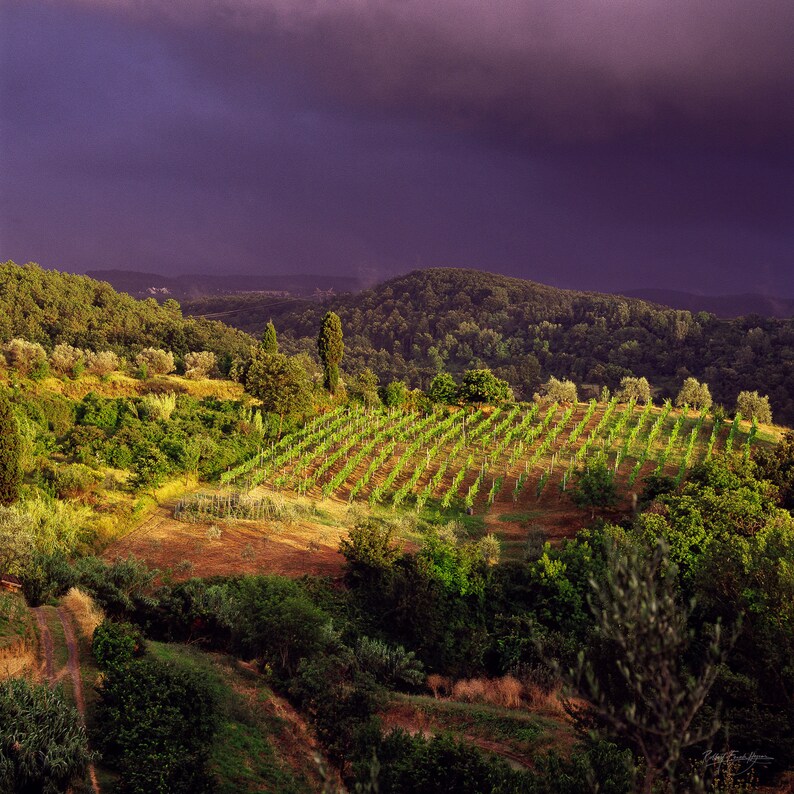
(280, 383)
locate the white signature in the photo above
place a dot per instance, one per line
(747, 760)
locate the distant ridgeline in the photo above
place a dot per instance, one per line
(51, 308)
(412, 326)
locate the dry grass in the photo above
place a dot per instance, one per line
(85, 613)
(507, 692)
(119, 385)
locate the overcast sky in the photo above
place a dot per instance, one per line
(598, 144)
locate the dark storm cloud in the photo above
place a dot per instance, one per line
(599, 144)
(532, 70)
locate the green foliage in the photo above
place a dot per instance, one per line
(459, 567)
(594, 487)
(71, 480)
(155, 361)
(331, 349)
(694, 394)
(364, 387)
(43, 746)
(10, 451)
(280, 383)
(67, 360)
(637, 389)
(395, 394)
(273, 620)
(200, 364)
(116, 644)
(155, 723)
(642, 689)
(341, 701)
(370, 545)
(752, 406)
(482, 386)
(122, 588)
(559, 391)
(269, 340)
(29, 359)
(441, 765)
(443, 389)
(390, 665)
(777, 466)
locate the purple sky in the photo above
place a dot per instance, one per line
(600, 144)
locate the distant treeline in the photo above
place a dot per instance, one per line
(415, 325)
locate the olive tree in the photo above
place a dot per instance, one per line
(694, 394)
(751, 405)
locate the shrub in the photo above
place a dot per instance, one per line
(154, 361)
(443, 389)
(66, 360)
(159, 406)
(43, 744)
(390, 665)
(155, 725)
(395, 394)
(116, 644)
(561, 391)
(27, 358)
(103, 362)
(199, 365)
(120, 588)
(71, 480)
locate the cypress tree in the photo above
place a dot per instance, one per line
(269, 340)
(10, 449)
(331, 349)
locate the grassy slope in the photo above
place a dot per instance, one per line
(261, 745)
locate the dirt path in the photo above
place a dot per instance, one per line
(46, 644)
(73, 666)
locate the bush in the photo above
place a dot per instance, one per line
(199, 365)
(27, 358)
(560, 391)
(47, 576)
(71, 480)
(155, 362)
(395, 394)
(443, 389)
(115, 644)
(43, 746)
(442, 765)
(390, 665)
(103, 362)
(120, 588)
(67, 360)
(155, 724)
(159, 406)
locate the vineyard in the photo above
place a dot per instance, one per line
(466, 459)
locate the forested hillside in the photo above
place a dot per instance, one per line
(415, 325)
(52, 308)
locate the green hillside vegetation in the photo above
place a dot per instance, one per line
(433, 655)
(51, 308)
(413, 326)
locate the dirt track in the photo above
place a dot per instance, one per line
(73, 666)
